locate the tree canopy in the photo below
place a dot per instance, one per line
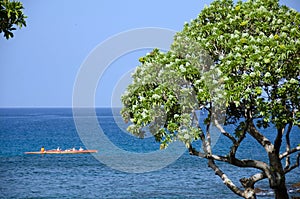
(240, 63)
(11, 15)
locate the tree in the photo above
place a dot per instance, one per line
(241, 64)
(11, 15)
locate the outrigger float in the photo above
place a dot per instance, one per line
(59, 151)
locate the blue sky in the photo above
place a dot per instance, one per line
(38, 67)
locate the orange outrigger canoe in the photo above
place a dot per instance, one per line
(62, 152)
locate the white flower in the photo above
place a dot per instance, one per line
(252, 39)
(266, 48)
(263, 9)
(244, 75)
(155, 96)
(197, 82)
(237, 48)
(268, 74)
(186, 136)
(215, 82)
(273, 21)
(245, 34)
(168, 65)
(252, 74)
(230, 55)
(293, 30)
(144, 114)
(219, 72)
(258, 40)
(182, 68)
(142, 98)
(293, 81)
(148, 77)
(237, 17)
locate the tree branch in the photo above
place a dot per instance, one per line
(262, 140)
(286, 170)
(236, 145)
(222, 130)
(194, 152)
(225, 179)
(249, 182)
(234, 161)
(207, 143)
(287, 153)
(288, 145)
(253, 164)
(278, 140)
(196, 120)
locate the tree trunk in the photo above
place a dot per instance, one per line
(277, 182)
(281, 191)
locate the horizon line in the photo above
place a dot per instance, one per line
(8, 107)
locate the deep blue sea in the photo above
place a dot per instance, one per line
(86, 176)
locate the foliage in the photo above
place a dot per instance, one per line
(241, 63)
(11, 15)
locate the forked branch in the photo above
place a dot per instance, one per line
(225, 178)
(286, 170)
(222, 130)
(249, 182)
(287, 153)
(246, 163)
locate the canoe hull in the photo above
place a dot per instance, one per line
(62, 152)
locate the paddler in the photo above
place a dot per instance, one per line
(42, 149)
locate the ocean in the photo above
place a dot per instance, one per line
(95, 176)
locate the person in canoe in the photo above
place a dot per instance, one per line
(42, 149)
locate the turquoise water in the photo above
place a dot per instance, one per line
(84, 176)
